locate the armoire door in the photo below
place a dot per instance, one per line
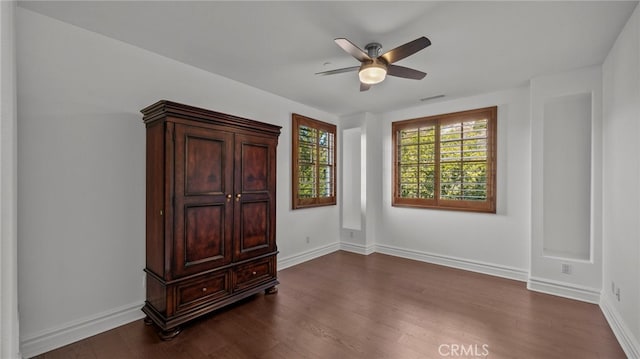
(254, 197)
(203, 201)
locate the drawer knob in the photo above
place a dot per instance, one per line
(254, 273)
(204, 289)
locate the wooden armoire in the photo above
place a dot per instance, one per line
(211, 207)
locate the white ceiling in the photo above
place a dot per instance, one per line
(476, 46)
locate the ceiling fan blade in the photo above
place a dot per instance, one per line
(364, 87)
(405, 50)
(338, 71)
(405, 72)
(352, 49)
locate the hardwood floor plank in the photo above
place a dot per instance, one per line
(345, 305)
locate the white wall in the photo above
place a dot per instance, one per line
(81, 155)
(621, 209)
(585, 279)
(567, 176)
(9, 339)
(491, 243)
(368, 184)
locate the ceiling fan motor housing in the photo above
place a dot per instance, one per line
(374, 49)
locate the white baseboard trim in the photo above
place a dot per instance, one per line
(68, 333)
(566, 290)
(460, 263)
(357, 248)
(625, 337)
(290, 261)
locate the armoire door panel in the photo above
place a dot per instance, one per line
(254, 230)
(255, 174)
(255, 167)
(204, 161)
(203, 182)
(254, 235)
(255, 170)
(204, 234)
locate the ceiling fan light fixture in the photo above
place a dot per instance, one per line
(372, 73)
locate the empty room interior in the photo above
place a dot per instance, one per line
(311, 179)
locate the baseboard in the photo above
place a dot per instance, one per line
(460, 263)
(566, 290)
(290, 261)
(625, 337)
(357, 248)
(68, 333)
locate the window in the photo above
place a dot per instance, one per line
(446, 161)
(314, 162)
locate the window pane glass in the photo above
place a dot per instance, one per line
(323, 156)
(325, 189)
(427, 181)
(450, 180)
(306, 181)
(409, 154)
(475, 181)
(306, 153)
(409, 190)
(427, 153)
(409, 174)
(451, 151)
(428, 134)
(451, 132)
(307, 134)
(408, 137)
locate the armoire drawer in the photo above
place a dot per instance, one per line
(205, 289)
(247, 275)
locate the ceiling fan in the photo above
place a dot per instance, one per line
(376, 67)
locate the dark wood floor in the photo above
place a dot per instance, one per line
(345, 305)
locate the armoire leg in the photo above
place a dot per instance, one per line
(271, 290)
(169, 333)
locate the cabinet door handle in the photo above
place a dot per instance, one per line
(204, 289)
(228, 197)
(254, 273)
(238, 196)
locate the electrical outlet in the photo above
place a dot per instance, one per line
(308, 239)
(351, 234)
(618, 294)
(566, 268)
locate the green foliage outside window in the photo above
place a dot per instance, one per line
(446, 159)
(314, 161)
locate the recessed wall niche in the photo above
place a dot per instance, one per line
(351, 179)
(567, 123)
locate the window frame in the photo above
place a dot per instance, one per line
(297, 121)
(488, 205)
